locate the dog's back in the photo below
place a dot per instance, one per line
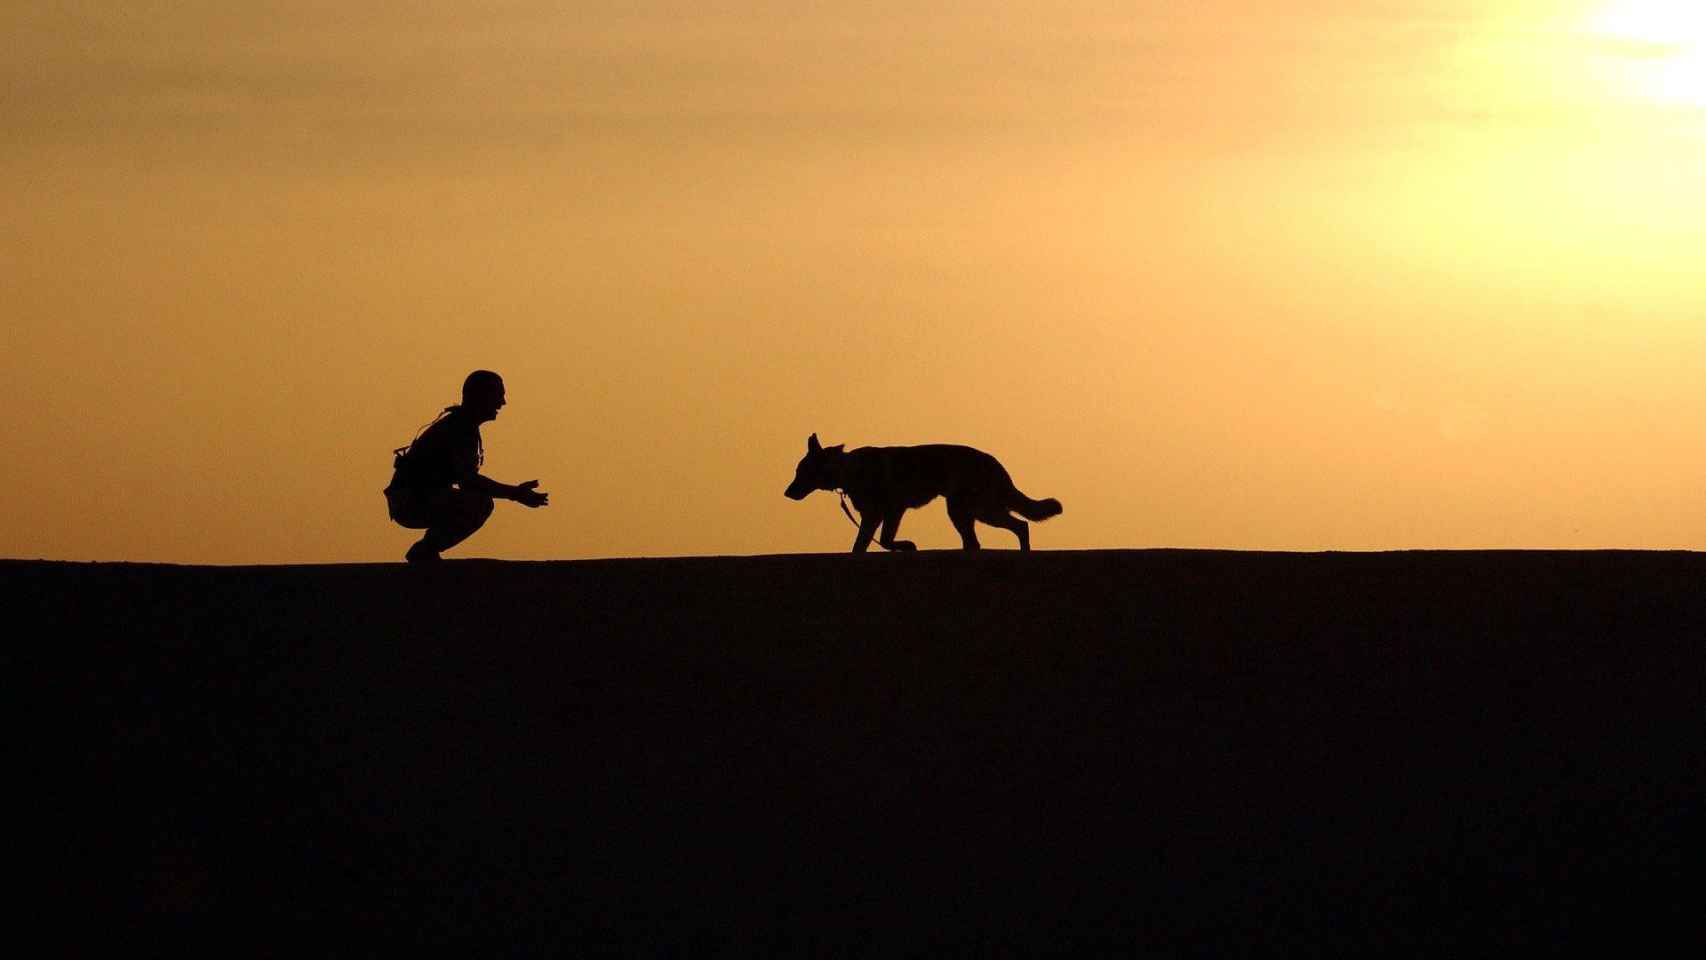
(910, 477)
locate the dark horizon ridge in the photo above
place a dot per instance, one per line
(1175, 752)
(927, 552)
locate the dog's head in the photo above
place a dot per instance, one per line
(817, 470)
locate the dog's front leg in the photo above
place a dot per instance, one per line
(867, 530)
(891, 524)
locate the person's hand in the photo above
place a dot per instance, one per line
(527, 496)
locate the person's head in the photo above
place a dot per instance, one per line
(483, 394)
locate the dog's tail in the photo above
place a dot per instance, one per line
(1035, 509)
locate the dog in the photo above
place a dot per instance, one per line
(885, 482)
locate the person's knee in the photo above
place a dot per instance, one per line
(465, 513)
(480, 507)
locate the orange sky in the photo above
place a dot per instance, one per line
(1339, 274)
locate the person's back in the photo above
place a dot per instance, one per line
(446, 451)
(436, 484)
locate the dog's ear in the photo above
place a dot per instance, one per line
(812, 445)
(837, 448)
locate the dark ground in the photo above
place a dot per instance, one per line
(1185, 752)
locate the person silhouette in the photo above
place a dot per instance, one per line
(436, 484)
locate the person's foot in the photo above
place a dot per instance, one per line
(421, 553)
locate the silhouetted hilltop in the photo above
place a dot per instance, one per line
(1184, 752)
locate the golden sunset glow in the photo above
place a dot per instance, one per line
(1223, 274)
(1661, 22)
(1666, 40)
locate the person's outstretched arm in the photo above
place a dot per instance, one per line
(525, 494)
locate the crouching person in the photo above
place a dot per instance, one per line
(437, 485)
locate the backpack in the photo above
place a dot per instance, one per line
(408, 465)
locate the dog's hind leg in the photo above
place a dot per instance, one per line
(891, 525)
(1006, 521)
(963, 516)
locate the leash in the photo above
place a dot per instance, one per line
(850, 518)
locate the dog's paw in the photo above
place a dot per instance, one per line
(904, 546)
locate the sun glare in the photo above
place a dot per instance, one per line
(1665, 43)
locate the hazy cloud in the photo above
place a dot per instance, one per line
(533, 73)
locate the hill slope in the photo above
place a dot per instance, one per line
(1184, 751)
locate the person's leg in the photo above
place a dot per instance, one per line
(408, 509)
(456, 514)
